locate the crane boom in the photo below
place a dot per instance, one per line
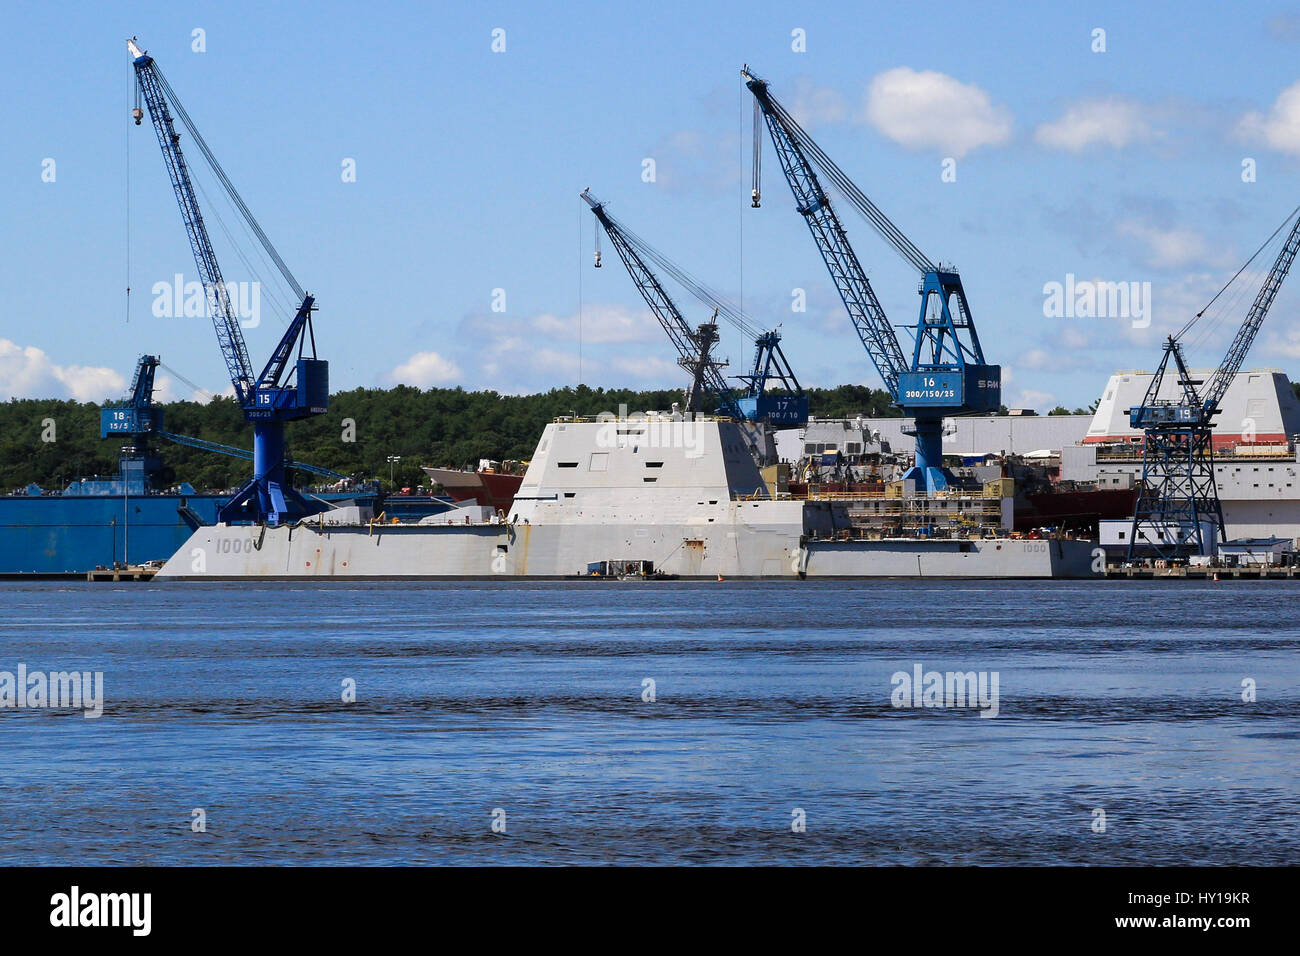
(693, 346)
(243, 453)
(947, 374)
(229, 336)
(754, 403)
(1245, 336)
(277, 395)
(865, 311)
(1178, 508)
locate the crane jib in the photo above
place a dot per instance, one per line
(947, 374)
(268, 401)
(694, 346)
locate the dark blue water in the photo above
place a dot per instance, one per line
(1125, 697)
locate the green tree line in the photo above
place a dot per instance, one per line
(51, 442)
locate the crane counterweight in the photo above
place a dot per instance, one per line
(947, 374)
(281, 393)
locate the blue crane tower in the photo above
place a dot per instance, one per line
(281, 393)
(137, 418)
(947, 374)
(1178, 506)
(695, 346)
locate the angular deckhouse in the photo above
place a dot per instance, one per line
(682, 494)
(1255, 465)
(1259, 407)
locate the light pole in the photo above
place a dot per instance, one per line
(392, 460)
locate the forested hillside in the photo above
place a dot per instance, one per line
(440, 426)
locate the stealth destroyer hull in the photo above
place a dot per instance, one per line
(683, 494)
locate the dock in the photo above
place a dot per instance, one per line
(134, 573)
(1257, 572)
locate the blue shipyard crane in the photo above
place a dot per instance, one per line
(787, 407)
(1178, 504)
(138, 418)
(947, 374)
(695, 346)
(281, 393)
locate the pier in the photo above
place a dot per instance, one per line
(133, 573)
(1256, 572)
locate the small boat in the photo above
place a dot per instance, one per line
(625, 570)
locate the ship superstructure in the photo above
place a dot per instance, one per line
(1255, 465)
(680, 492)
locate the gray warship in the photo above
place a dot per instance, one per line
(683, 494)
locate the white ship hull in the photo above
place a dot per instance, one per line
(226, 552)
(690, 500)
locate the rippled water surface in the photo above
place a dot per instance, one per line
(1123, 697)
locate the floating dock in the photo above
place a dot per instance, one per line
(1258, 572)
(134, 573)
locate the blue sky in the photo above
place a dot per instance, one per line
(1115, 166)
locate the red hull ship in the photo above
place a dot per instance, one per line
(494, 485)
(1077, 510)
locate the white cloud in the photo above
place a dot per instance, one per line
(1170, 248)
(167, 389)
(1072, 338)
(1113, 121)
(1279, 128)
(164, 390)
(515, 364)
(27, 372)
(1041, 402)
(1177, 300)
(925, 109)
(600, 324)
(1285, 343)
(425, 370)
(1036, 359)
(522, 353)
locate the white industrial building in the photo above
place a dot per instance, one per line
(1255, 444)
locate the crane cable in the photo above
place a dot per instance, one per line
(704, 293)
(252, 230)
(1267, 242)
(881, 223)
(238, 201)
(185, 381)
(276, 302)
(136, 88)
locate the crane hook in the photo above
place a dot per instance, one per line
(137, 114)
